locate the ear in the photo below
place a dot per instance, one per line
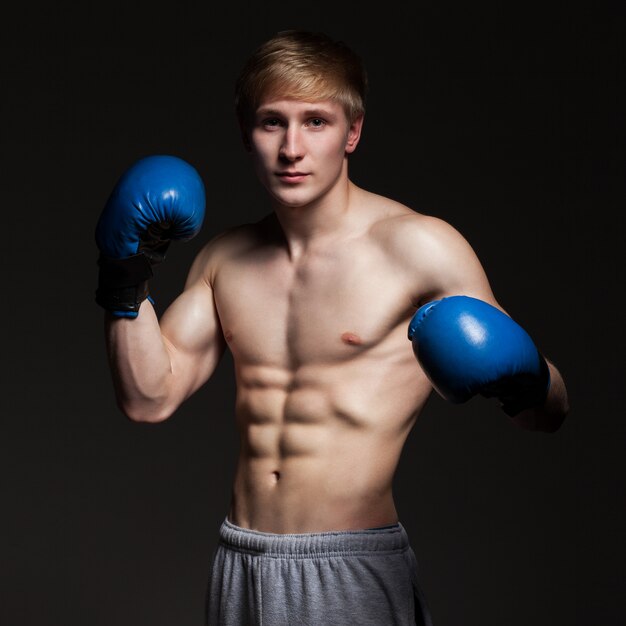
(354, 134)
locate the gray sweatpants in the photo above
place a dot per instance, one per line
(339, 578)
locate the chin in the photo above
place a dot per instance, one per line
(292, 200)
(294, 204)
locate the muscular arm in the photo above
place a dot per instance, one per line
(448, 266)
(157, 365)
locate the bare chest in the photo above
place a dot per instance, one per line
(330, 307)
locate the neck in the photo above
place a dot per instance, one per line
(308, 224)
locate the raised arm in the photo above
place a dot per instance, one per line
(155, 366)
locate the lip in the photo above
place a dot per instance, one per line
(291, 177)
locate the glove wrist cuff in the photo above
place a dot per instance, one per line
(124, 272)
(532, 396)
(123, 284)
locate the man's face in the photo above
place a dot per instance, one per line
(299, 148)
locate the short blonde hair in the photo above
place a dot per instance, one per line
(305, 66)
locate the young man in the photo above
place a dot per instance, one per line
(314, 301)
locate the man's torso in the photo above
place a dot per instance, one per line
(327, 385)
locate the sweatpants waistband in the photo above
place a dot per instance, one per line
(385, 539)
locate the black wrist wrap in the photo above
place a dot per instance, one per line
(526, 391)
(123, 283)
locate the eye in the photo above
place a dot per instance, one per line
(271, 122)
(316, 122)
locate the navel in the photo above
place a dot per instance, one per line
(276, 476)
(351, 339)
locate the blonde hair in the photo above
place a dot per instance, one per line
(305, 66)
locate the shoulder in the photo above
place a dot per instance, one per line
(225, 246)
(429, 253)
(407, 233)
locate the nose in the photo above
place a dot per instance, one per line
(292, 148)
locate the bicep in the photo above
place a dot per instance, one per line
(192, 333)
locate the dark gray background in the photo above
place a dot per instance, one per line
(507, 123)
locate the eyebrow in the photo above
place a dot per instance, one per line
(314, 112)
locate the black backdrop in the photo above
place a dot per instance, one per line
(508, 124)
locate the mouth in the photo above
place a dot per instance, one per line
(291, 177)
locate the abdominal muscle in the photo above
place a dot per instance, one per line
(318, 451)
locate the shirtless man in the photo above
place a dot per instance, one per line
(314, 302)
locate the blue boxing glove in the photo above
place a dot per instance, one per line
(467, 347)
(158, 199)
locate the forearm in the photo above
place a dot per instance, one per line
(550, 415)
(140, 365)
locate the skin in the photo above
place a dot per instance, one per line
(313, 302)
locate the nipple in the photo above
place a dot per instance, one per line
(352, 339)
